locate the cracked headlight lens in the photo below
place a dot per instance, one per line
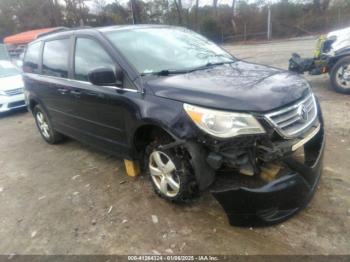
(223, 124)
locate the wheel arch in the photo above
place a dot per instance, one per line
(32, 103)
(335, 84)
(146, 133)
(335, 59)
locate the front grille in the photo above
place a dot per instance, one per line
(14, 92)
(16, 104)
(291, 121)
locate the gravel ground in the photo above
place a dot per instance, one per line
(72, 199)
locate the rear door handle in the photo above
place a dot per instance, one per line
(92, 94)
(63, 91)
(75, 92)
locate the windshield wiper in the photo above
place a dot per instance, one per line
(209, 64)
(166, 72)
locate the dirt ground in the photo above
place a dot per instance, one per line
(72, 199)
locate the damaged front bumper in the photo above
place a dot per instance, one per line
(248, 203)
(262, 179)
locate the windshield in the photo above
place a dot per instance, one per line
(152, 50)
(7, 69)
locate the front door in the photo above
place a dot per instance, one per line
(99, 110)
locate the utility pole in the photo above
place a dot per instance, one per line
(132, 11)
(269, 27)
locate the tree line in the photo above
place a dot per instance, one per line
(237, 20)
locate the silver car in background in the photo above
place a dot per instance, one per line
(11, 87)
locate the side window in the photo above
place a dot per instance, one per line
(89, 55)
(31, 59)
(55, 58)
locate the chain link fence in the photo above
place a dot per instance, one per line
(283, 27)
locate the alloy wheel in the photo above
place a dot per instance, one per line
(163, 173)
(343, 76)
(43, 125)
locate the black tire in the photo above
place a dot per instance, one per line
(187, 184)
(52, 136)
(333, 75)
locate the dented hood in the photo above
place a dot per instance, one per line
(239, 86)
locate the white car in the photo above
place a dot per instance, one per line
(11, 87)
(332, 56)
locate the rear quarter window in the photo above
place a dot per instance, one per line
(55, 58)
(31, 59)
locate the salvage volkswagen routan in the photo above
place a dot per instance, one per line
(196, 117)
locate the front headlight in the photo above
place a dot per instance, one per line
(223, 124)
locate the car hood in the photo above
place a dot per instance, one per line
(239, 86)
(11, 82)
(342, 38)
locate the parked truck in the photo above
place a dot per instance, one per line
(332, 56)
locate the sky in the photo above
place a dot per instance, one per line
(185, 3)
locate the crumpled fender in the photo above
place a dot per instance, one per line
(205, 175)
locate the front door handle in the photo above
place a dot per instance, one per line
(63, 91)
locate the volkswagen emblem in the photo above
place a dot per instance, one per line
(303, 113)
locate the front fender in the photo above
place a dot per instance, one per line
(164, 113)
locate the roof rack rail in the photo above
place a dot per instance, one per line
(80, 27)
(63, 28)
(57, 29)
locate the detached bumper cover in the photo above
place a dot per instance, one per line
(278, 200)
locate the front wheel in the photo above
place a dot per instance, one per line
(170, 174)
(45, 127)
(340, 75)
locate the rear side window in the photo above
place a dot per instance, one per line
(55, 58)
(31, 59)
(89, 55)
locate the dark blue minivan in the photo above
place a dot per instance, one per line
(195, 117)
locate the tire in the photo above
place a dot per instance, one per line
(182, 174)
(338, 83)
(44, 125)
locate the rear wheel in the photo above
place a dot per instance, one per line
(170, 174)
(45, 127)
(340, 75)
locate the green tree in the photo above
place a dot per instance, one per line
(21, 15)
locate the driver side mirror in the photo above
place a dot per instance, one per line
(106, 77)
